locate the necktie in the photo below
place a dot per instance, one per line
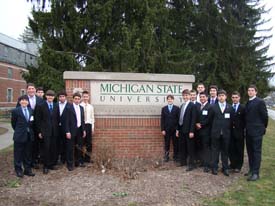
(182, 113)
(212, 101)
(51, 108)
(26, 114)
(78, 117)
(235, 107)
(170, 108)
(202, 105)
(222, 107)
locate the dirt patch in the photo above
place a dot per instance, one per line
(154, 184)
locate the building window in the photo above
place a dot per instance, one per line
(10, 73)
(9, 95)
(22, 92)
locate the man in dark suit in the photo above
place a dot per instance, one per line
(169, 123)
(256, 119)
(213, 98)
(200, 89)
(203, 126)
(21, 120)
(34, 100)
(47, 122)
(63, 106)
(75, 132)
(198, 145)
(236, 150)
(185, 131)
(221, 118)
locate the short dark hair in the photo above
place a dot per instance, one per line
(222, 91)
(85, 92)
(23, 97)
(203, 93)
(30, 85)
(253, 86)
(77, 94)
(170, 96)
(62, 92)
(236, 93)
(39, 89)
(185, 91)
(200, 83)
(213, 87)
(193, 91)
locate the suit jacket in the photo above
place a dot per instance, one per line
(71, 123)
(238, 121)
(221, 122)
(189, 119)
(216, 101)
(21, 126)
(256, 117)
(47, 123)
(64, 116)
(169, 120)
(204, 120)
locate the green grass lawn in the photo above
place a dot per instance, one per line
(261, 192)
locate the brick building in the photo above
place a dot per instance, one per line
(15, 56)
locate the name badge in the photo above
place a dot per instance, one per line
(31, 118)
(227, 115)
(204, 112)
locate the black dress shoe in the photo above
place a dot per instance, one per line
(19, 174)
(214, 171)
(225, 172)
(81, 164)
(206, 170)
(53, 168)
(45, 171)
(237, 170)
(70, 168)
(253, 177)
(248, 173)
(189, 168)
(29, 173)
(36, 166)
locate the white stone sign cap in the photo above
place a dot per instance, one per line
(131, 94)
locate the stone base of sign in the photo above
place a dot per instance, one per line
(128, 130)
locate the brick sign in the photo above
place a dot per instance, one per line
(127, 108)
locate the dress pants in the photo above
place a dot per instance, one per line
(88, 142)
(49, 151)
(167, 139)
(22, 155)
(206, 150)
(254, 151)
(186, 149)
(220, 145)
(61, 145)
(236, 150)
(74, 149)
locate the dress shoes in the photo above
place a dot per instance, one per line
(206, 169)
(45, 171)
(19, 174)
(52, 168)
(70, 168)
(248, 173)
(82, 164)
(35, 166)
(225, 172)
(253, 177)
(189, 168)
(214, 171)
(29, 173)
(237, 170)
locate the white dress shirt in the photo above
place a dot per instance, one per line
(89, 116)
(78, 114)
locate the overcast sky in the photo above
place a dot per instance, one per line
(14, 18)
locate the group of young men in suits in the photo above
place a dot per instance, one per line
(205, 128)
(51, 133)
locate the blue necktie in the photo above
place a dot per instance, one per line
(235, 107)
(170, 108)
(26, 114)
(51, 108)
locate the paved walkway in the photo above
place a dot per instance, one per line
(6, 139)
